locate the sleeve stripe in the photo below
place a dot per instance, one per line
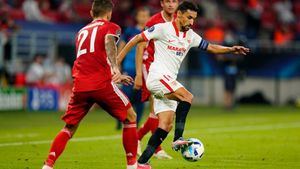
(203, 44)
(144, 36)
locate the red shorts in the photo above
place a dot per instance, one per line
(145, 92)
(110, 98)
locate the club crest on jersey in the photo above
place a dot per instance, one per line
(151, 29)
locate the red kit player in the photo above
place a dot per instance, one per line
(144, 58)
(95, 73)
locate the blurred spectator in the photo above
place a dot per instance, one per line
(35, 75)
(67, 13)
(82, 8)
(32, 11)
(230, 73)
(214, 32)
(7, 27)
(3, 77)
(47, 12)
(284, 12)
(283, 35)
(61, 73)
(210, 9)
(254, 11)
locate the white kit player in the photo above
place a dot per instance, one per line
(172, 41)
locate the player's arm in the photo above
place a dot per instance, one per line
(121, 45)
(219, 49)
(111, 52)
(134, 41)
(138, 81)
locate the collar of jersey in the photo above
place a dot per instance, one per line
(177, 31)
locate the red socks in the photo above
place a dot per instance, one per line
(130, 142)
(150, 125)
(58, 146)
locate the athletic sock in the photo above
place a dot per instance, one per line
(156, 139)
(181, 113)
(58, 145)
(150, 125)
(130, 142)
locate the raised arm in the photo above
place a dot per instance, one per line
(134, 41)
(219, 49)
(111, 52)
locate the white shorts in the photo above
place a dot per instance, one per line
(159, 85)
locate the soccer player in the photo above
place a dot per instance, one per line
(144, 58)
(128, 64)
(95, 71)
(172, 42)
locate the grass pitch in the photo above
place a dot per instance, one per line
(250, 137)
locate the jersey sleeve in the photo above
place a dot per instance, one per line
(198, 41)
(154, 32)
(114, 30)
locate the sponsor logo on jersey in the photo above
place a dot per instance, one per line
(177, 49)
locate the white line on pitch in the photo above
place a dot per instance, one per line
(208, 130)
(18, 135)
(248, 128)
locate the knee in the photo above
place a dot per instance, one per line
(166, 125)
(71, 129)
(131, 115)
(188, 97)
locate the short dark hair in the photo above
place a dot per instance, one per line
(100, 7)
(187, 5)
(142, 9)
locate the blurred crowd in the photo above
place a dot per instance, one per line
(220, 21)
(277, 20)
(40, 72)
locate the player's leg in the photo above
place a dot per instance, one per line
(138, 105)
(129, 93)
(116, 103)
(152, 120)
(165, 125)
(59, 143)
(77, 109)
(165, 110)
(129, 138)
(151, 124)
(185, 99)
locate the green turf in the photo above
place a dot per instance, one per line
(251, 137)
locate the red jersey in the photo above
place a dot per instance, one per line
(148, 56)
(92, 70)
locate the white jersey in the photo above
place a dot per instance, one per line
(171, 47)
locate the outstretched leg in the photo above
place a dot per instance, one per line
(164, 127)
(184, 97)
(59, 143)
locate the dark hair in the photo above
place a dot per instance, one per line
(100, 7)
(187, 5)
(142, 9)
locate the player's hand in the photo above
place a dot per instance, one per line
(138, 82)
(116, 74)
(240, 50)
(126, 80)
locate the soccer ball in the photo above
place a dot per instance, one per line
(194, 151)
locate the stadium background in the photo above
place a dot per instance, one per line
(269, 75)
